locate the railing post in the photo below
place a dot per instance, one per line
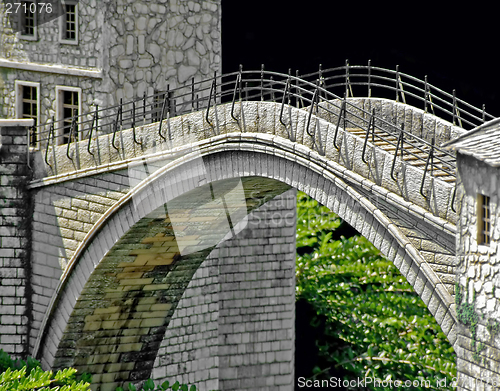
(430, 159)
(372, 127)
(262, 82)
(399, 86)
(454, 105)
(237, 86)
(144, 109)
(428, 96)
(484, 113)
(314, 98)
(94, 120)
(71, 130)
(271, 86)
(321, 78)
(425, 94)
(169, 102)
(133, 124)
(454, 195)
(213, 91)
(51, 132)
(400, 140)
(118, 116)
(369, 78)
(341, 112)
(299, 94)
(166, 103)
(192, 95)
(397, 83)
(347, 79)
(285, 95)
(456, 112)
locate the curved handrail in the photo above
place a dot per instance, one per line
(299, 90)
(347, 76)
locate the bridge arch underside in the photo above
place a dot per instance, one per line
(128, 276)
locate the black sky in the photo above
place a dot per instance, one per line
(456, 46)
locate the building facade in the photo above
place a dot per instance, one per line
(96, 53)
(477, 292)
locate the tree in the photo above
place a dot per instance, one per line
(375, 325)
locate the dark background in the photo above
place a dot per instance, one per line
(456, 46)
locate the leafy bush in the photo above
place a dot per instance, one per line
(28, 375)
(21, 375)
(375, 325)
(7, 362)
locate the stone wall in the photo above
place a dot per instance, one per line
(155, 44)
(62, 216)
(125, 48)
(15, 290)
(478, 279)
(234, 327)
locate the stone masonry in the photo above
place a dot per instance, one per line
(105, 245)
(124, 49)
(15, 241)
(118, 321)
(232, 328)
(478, 271)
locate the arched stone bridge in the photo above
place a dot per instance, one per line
(120, 228)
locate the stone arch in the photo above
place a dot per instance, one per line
(323, 180)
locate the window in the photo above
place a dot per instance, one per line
(27, 13)
(27, 106)
(158, 100)
(68, 26)
(483, 219)
(68, 110)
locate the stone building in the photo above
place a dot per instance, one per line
(97, 52)
(478, 256)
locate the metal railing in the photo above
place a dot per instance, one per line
(374, 81)
(313, 92)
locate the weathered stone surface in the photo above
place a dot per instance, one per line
(15, 249)
(477, 275)
(128, 35)
(206, 332)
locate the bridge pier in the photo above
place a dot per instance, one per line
(15, 214)
(233, 329)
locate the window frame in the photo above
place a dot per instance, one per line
(63, 20)
(60, 111)
(19, 100)
(158, 99)
(22, 16)
(483, 220)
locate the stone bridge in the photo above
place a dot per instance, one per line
(176, 255)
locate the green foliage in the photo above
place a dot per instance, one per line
(376, 325)
(493, 327)
(12, 379)
(467, 315)
(17, 375)
(465, 310)
(6, 362)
